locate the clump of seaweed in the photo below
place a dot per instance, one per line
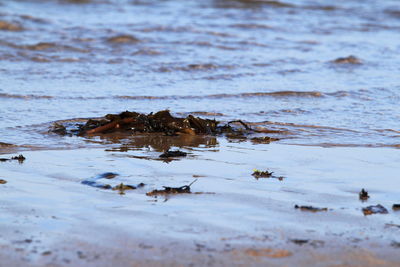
(3, 181)
(265, 174)
(261, 174)
(396, 207)
(160, 122)
(172, 190)
(363, 195)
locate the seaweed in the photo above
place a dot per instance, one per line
(19, 158)
(122, 187)
(396, 207)
(3, 181)
(159, 122)
(265, 174)
(59, 129)
(242, 123)
(363, 195)
(376, 209)
(310, 208)
(162, 122)
(172, 190)
(262, 174)
(174, 153)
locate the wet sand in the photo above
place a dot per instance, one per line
(49, 218)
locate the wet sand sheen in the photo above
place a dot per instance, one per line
(245, 220)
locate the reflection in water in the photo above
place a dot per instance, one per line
(158, 142)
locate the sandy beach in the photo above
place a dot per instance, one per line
(49, 218)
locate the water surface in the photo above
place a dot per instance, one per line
(260, 61)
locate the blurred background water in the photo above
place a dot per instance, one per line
(256, 60)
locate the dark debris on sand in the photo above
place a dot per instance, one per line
(310, 208)
(313, 243)
(19, 158)
(123, 187)
(299, 241)
(376, 209)
(262, 174)
(173, 153)
(363, 195)
(396, 207)
(171, 190)
(3, 181)
(265, 174)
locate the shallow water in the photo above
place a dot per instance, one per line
(260, 61)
